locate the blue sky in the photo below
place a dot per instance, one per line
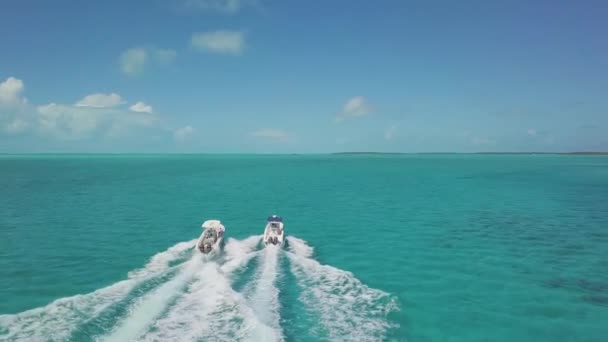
(303, 76)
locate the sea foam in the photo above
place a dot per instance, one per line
(348, 309)
(58, 320)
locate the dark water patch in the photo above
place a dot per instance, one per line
(597, 234)
(597, 300)
(573, 247)
(592, 286)
(532, 238)
(555, 283)
(555, 262)
(549, 312)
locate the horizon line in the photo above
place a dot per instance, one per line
(306, 153)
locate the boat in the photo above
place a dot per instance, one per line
(212, 238)
(274, 233)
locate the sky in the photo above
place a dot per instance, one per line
(261, 76)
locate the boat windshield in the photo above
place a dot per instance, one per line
(275, 227)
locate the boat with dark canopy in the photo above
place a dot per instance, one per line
(274, 232)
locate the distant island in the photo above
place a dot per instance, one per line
(558, 153)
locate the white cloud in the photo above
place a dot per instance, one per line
(123, 123)
(141, 107)
(133, 61)
(222, 6)
(183, 133)
(100, 100)
(270, 133)
(73, 122)
(67, 121)
(532, 132)
(224, 42)
(353, 108)
(390, 132)
(10, 92)
(94, 115)
(13, 106)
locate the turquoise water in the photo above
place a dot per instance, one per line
(403, 247)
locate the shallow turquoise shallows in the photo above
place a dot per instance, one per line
(381, 247)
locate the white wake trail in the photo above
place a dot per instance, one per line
(239, 252)
(348, 309)
(58, 320)
(264, 294)
(211, 310)
(143, 313)
(299, 247)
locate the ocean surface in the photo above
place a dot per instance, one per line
(381, 248)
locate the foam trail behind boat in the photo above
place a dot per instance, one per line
(264, 294)
(299, 247)
(57, 320)
(349, 310)
(211, 309)
(144, 312)
(239, 252)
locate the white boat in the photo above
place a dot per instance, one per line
(274, 233)
(212, 238)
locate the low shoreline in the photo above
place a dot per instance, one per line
(469, 153)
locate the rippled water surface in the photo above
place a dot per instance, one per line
(382, 247)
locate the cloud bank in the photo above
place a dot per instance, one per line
(94, 115)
